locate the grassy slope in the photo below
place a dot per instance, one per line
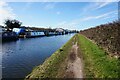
(55, 65)
(96, 63)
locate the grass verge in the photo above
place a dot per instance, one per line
(97, 64)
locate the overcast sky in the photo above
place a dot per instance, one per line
(68, 15)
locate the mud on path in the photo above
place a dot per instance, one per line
(74, 66)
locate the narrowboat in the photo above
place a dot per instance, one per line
(31, 34)
(9, 36)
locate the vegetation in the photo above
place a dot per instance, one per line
(97, 64)
(106, 36)
(12, 23)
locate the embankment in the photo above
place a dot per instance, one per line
(107, 36)
(96, 63)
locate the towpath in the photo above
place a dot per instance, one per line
(74, 66)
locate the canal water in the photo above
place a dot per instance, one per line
(21, 56)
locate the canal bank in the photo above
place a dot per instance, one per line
(94, 62)
(54, 64)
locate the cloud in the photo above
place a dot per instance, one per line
(74, 23)
(5, 12)
(95, 6)
(68, 25)
(62, 0)
(102, 4)
(49, 6)
(99, 16)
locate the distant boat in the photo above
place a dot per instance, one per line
(34, 34)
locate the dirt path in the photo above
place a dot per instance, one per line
(74, 68)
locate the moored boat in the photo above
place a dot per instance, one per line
(34, 34)
(9, 36)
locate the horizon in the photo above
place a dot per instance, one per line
(67, 15)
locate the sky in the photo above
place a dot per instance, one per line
(67, 15)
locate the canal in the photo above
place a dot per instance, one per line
(21, 56)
